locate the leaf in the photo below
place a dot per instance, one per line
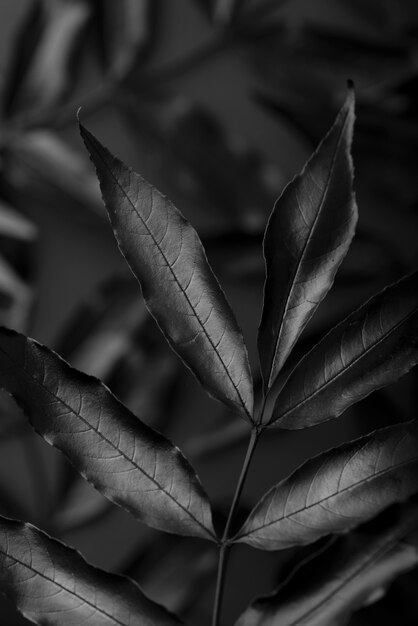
(353, 572)
(125, 33)
(181, 291)
(46, 45)
(132, 465)
(307, 237)
(45, 166)
(15, 225)
(16, 297)
(196, 158)
(371, 348)
(223, 11)
(51, 584)
(336, 490)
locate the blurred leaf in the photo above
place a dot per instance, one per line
(371, 348)
(46, 46)
(183, 294)
(44, 165)
(52, 584)
(336, 490)
(353, 572)
(81, 505)
(15, 297)
(126, 32)
(196, 158)
(113, 337)
(15, 225)
(127, 461)
(223, 10)
(175, 571)
(307, 237)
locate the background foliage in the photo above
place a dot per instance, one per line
(218, 112)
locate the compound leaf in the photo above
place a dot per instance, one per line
(52, 585)
(353, 572)
(371, 348)
(307, 237)
(167, 257)
(132, 465)
(337, 490)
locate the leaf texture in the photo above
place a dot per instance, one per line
(307, 237)
(371, 348)
(167, 257)
(132, 465)
(52, 585)
(336, 490)
(353, 572)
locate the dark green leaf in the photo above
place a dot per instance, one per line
(52, 585)
(371, 348)
(166, 255)
(127, 461)
(337, 490)
(353, 572)
(307, 237)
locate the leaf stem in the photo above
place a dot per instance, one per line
(224, 543)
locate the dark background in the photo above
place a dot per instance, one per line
(220, 115)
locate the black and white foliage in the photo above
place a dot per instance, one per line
(307, 237)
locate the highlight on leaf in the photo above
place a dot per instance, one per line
(373, 347)
(165, 254)
(354, 571)
(337, 490)
(131, 464)
(307, 236)
(51, 583)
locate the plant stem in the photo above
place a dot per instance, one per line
(224, 545)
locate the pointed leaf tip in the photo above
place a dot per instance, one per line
(132, 465)
(308, 235)
(165, 254)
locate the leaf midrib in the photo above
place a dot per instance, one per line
(110, 443)
(175, 278)
(305, 247)
(333, 495)
(63, 587)
(345, 369)
(364, 565)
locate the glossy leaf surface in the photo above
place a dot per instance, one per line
(52, 585)
(132, 465)
(166, 255)
(353, 572)
(307, 237)
(337, 490)
(371, 348)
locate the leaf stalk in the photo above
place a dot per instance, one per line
(225, 544)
